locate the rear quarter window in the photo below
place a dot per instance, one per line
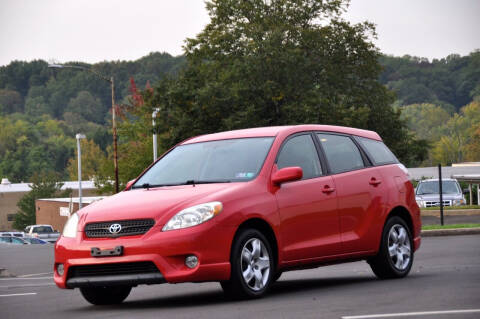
(341, 152)
(377, 151)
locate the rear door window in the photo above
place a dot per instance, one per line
(341, 152)
(300, 151)
(377, 151)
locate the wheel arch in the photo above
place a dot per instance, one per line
(401, 212)
(266, 229)
(404, 214)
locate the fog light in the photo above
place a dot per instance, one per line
(60, 269)
(191, 261)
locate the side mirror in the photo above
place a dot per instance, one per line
(129, 184)
(287, 174)
(466, 191)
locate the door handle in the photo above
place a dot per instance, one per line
(327, 189)
(374, 181)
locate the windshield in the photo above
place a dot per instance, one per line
(448, 187)
(233, 160)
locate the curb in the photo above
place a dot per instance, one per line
(450, 232)
(4, 273)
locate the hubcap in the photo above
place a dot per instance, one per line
(255, 264)
(399, 247)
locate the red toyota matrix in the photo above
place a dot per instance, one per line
(240, 208)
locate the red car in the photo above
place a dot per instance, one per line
(240, 208)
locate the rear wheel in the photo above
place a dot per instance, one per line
(252, 266)
(395, 257)
(105, 295)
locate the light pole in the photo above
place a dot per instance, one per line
(154, 115)
(79, 153)
(114, 122)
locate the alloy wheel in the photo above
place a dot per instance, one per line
(255, 264)
(399, 248)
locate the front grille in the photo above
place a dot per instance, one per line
(112, 269)
(437, 203)
(129, 228)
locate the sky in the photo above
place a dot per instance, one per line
(104, 30)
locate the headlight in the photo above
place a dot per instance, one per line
(420, 203)
(70, 229)
(458, 202)
(193, 216)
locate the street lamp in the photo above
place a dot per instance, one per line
(114, 123)
(79, 153)
(154, 115)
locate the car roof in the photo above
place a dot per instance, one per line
(276, 130)
(436, 180)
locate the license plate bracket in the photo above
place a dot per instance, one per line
(97, 252)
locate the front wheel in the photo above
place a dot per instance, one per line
(395, 257)
(252, 266)
(105, 295)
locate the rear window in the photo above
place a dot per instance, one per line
(377, 151)
(42, 229)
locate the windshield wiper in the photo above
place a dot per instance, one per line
(189, 182)
(193, 182)
(148, 185)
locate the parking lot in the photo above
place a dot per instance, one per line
(445, 277)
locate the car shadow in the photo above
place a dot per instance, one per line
(216, 297)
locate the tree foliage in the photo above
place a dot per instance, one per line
(454, 139)
(92, 160)
(29, 147)
(262, 63)
(43, 186)
(425, 119)
(10, 101)
(451, 82)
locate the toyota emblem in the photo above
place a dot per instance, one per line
(115, 228)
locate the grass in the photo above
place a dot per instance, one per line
(452, 226)
(452, 207)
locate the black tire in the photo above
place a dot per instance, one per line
(390, 262)
(105, 295)
(238, 287)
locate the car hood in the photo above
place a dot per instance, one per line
(158, 203)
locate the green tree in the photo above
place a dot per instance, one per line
(426, 120)
(29, 147)
(459, 136)
(36, 106)
(92, 160)
(10, 101)
(87, 106)
(43, 186)
(473, 147)
(263, 63)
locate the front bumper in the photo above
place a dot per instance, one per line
(166, 250)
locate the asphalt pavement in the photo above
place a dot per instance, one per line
(444, 283)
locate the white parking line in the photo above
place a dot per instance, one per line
(31, 275)
(16, 278)
(36, 278)
(25, 294)
(31, 285)
(410, 314)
